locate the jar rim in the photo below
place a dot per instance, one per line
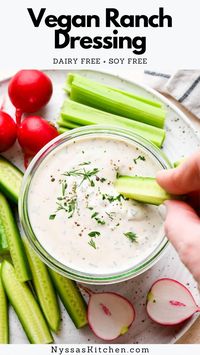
(23, 204)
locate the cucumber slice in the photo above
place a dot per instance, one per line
(14, 240)
(26, 307)
(44, 289)
(4, 328)
(4, 249)
(142, 189)
(10, 179)
(71, 298)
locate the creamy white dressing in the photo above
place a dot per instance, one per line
(78, 216)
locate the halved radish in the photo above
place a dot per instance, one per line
(169, 302)
(109, 314)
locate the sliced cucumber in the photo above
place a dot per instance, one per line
(10, 179)
(44, 289)
(4, 328)
(71, 298)
(4, 249)
(14, 240)
(26, 307)
(142, 189)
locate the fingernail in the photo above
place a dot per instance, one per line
(162, 209)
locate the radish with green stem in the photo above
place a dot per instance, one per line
(169, 302)
(109, 314)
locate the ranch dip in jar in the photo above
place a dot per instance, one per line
(76, 213)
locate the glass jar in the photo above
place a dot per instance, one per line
(57, 143)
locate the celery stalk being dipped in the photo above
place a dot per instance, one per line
(73, 112)
(99, 96)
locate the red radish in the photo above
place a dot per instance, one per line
(169, 302)
(33, 133)
(8, 131)
(29, 91)
(109, 314)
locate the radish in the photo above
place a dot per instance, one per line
(8, 131)
(33, 133)
(170, 303)
(109, 314)
(29, 91)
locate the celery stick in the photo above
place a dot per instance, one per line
(106, 99)
(140, 98)
(84, 115)
(62, 130)
(67, 124)
(142, 189)
(127, 93)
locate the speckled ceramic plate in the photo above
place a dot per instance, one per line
(181, 140)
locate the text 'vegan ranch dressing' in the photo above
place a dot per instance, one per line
(78, 216)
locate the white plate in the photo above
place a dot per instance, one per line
(181, 140)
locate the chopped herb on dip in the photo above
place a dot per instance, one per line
(94, 234)
(131, 236)
(92, 243)
(140, 157)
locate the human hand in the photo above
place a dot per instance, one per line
(182, 224)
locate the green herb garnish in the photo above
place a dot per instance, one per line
(111, 198)
(64, 187)
(85, 174)
(68, 205)
(131, 236)
(92, 243)
(94, 234)
(94, 214)
(71, 207)
(110, 215)
(85, 163)
(140, 157)
(99, 220)
(52, 216)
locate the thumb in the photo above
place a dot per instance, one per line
(184, 179)
(183, 230)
